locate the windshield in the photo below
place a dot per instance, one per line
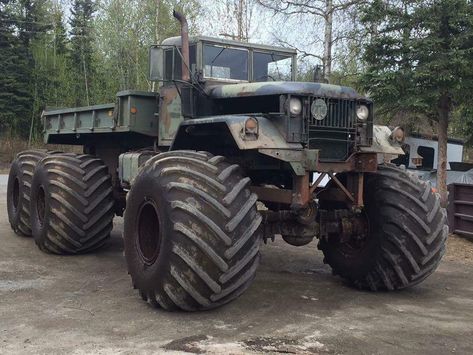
(271, 67)
(173, 62)
(225, 63)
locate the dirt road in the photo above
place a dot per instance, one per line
(85, 304)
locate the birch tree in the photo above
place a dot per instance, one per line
(233, 19)
(315, 16)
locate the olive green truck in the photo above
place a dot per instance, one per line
(221, 158)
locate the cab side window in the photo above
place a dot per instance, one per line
(168, 56)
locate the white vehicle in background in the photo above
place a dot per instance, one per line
(421, 152)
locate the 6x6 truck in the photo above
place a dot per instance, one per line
(222, 158)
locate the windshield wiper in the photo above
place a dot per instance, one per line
(213, 61)
(218, 55)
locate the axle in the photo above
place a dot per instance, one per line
(300, 228)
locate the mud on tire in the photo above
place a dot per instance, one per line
(71, 204)
(191, 231)
(407, 234)
(19, 190)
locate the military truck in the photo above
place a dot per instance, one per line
(218, 160)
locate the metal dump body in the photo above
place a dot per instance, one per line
(133, 112)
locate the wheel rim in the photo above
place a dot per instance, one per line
(148, 232)
(41, 205)
(16, 194)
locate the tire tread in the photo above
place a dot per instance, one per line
(414, 232)
(81, 212)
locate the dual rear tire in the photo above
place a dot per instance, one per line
(19, 190)
(72, 204)
(63, 200)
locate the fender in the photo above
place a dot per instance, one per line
(227, 132)
(226, 127)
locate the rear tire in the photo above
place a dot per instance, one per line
(72, 206)
(19, 190)
(191, 231)
(407, 235)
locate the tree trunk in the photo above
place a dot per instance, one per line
(240, 20)
(444, 111)
(156, 22)
(328, 39)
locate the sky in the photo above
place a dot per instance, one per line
(303, 32)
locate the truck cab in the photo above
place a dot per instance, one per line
(230, 80)
(222, 61)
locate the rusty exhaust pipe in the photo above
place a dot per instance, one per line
(184, 44)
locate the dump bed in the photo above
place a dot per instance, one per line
(135, 112)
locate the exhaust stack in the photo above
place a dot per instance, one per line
(185, 44)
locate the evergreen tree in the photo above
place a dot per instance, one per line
(59, 32)
(420, 62)
(15, 74)
(82, 50)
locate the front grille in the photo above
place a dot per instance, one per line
(340, 113)
(334, 135)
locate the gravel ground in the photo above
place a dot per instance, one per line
(85, 304)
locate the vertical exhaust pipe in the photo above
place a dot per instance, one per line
(184, 44)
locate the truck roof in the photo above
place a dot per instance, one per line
(176, 41)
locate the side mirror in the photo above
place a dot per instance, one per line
(156, 63)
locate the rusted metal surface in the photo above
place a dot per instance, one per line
(300, 192)
(345, 188)
(299, 197)
(460, 209)
(317, 183)
(288, 224)
(355, 183)
(185, 44)
(342, 187)
(270, 194)
(170, 115)
(359, 162)
(343, 225)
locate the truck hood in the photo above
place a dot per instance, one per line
(282, 87)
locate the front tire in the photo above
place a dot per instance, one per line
(406, 239)
(191, 231)
(72, 205)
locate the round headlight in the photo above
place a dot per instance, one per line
(295, 106)
(362, 112)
